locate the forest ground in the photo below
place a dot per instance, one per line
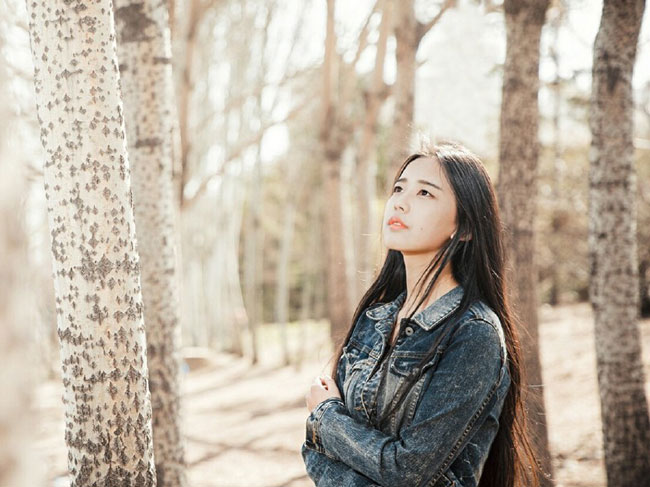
(244, 425)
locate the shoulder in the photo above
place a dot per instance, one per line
(482, 324)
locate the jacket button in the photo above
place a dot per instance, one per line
(408, 330)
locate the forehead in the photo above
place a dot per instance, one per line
(428, 168)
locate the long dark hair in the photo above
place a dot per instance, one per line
(478, 260)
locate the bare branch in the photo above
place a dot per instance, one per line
(489, 6)
(363, 34)
(237, 152)
(424, 28)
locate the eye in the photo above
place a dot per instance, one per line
(426, 192)
(396, 188)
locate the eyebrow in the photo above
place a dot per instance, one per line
(422, 181)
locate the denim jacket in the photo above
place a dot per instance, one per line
(441, 434)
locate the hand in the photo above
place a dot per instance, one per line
(322, 388)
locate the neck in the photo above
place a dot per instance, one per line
(415, 265)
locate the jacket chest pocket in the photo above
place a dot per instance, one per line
(405, 364)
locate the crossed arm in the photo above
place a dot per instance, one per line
(327, 472)
(451, 408)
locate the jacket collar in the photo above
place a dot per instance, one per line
(426, 318)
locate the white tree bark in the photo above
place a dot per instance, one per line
(144, 54)
(96, 266)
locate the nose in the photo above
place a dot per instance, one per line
(400, 203)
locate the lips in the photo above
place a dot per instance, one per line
(395, 222)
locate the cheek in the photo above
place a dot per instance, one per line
(435, 232)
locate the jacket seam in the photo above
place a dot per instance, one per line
(457, 446)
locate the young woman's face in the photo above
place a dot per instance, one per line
(420, 215)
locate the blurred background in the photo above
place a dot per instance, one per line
(251, 207)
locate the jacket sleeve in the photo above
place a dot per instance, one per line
(327, 472)
(451, 408)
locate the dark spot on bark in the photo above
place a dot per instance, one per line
(149, 142)
(132, 22)
(613, 76)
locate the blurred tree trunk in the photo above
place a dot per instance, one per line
(17, 347)
(171, 9)
(96, 266)
(236, 311)
(367, 241)
(517, 191)
(408, 35)
(253, 255)
(227, 312)
(332, 137)
(18, 377)
(613, 248)
(558, 214)
(310, 274)
(254, 260)
(229, 204)
(643, 225)
(286, 245)
(144, 55)
(185, 89)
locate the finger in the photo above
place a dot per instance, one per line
(328, 381)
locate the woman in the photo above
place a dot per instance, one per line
(428, 380)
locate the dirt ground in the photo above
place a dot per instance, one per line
(244, 425)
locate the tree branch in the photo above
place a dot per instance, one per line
(422, 29)
(237, 152)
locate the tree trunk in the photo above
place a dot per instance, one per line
(613, 248)
(558, 220)
(293, 172)
(96, 266)
(332, 136)
(406, 46)
(17, 349)
(310, 274)
(252, 261)
(408, 35)
(184, 96)
(367, 241)
(144, 54)
(517, 190)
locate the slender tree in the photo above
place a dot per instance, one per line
(367, 165)
(409, 32)
(517, 190)
(144, 54)
(254, 236)
(18, 376)
(614, 290)
(333, 139)
(96, 266)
